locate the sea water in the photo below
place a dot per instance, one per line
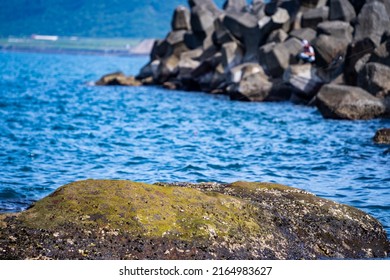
(56, 128)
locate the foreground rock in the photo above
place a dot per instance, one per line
(104, 219)
(382, 136)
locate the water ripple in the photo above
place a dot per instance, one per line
(55, 128)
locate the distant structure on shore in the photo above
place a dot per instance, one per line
(77, 45)
(45, 37)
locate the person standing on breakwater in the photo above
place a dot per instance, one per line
(307, 54)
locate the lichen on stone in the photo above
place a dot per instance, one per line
(113, 219)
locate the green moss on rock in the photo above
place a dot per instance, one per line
(109, 219)
(143, 209)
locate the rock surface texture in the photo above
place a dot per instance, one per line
(382, 136)
(206, 43)
(106, 219)
(117, 79)
(346, 102)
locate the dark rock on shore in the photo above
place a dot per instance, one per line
(249, 83)
(372, 22)
(181, 19)
(118, 79)
(105, 219)
(375, 78)
(382, 136)
(313, 17)
(346, 102)
(313, 3)
(341, 10)
(350, 39)
(304, 80)
(304, 34)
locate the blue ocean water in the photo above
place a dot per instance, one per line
(55, 128)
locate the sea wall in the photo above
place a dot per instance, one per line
(108, 219)
(249, 51)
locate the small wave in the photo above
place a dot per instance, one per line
(139, 158)
(234, 166)
(8, 193)
(99, 166)
(123, 144)
(131, 163)
(62, 127)
(319, 168)
(191, 167)
(167, 126)
(378, 207)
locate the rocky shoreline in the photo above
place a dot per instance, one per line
(250, 53)
(382, 136)
(109, 219)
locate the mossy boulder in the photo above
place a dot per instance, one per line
(108, 219)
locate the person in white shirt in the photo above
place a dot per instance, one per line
(307, 54)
